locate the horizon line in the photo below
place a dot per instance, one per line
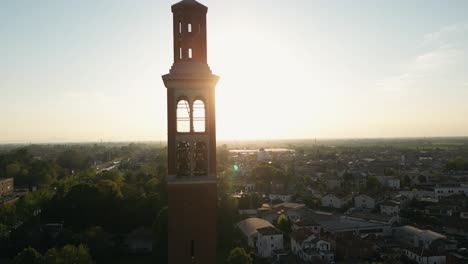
(73, 142)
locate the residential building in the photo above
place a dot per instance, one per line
(261, 236)
(424, 258)
(6, 186)
(310, 248)
(364, 201)
(280, 197)
(390, 207)
(389, 182)
(334, 200)
(269, 240)
(444, 190)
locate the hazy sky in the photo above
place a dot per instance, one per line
(91, 69)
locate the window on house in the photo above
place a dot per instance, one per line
(180, 27)
(189, 27)
(189, 53)
(199, 116)
(180, 53)
(183, 116)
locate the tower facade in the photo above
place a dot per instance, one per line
(191, 123)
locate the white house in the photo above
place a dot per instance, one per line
(261, 235)
(249, 228)
(447, 190)
(425, 258)
(308, 247)
(364, 201)
(334, 201)
(269, 239)
(390, 208)
(281, 197)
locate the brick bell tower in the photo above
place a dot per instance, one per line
(191, 140)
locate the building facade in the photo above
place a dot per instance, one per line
(269, 240)
(333, 201)
(364, 201)
(191, 140)
(6, 186)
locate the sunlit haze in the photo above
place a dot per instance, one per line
(91, 70)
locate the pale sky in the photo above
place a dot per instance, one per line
(91, 69)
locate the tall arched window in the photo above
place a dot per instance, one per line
(199, 116)
(183, 116)
(183, 159)
(200, 159)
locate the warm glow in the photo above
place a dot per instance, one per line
(301, 69)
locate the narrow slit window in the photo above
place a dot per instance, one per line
(180, 27)
(189, 27)
(192, 249)
(199, 116)
(189, 53)
(180, 53)
(183, 116)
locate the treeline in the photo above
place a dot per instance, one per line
(115, 201)
(459, 164)
(95, 209)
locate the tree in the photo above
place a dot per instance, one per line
(238, 256)
(4, 232)
(72, 159)
(422, 178)
(283, 223)
(406, 182)
(372, 183)
(69, 254)
(28, 256)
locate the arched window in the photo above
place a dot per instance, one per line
(183, 159)
(200, 160)
(199, 116)
(183, 116)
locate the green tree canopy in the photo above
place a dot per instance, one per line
(69, 254)
(373, 184)
(238, 256)
(28, 256)
(283, 223)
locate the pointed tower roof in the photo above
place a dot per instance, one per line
(189, 5)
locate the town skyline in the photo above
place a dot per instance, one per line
(82, 72)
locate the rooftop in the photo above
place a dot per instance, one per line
(250, 226)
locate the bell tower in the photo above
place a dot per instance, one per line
(191, 140)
